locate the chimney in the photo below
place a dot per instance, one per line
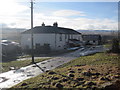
(43, 24)
(55, 24)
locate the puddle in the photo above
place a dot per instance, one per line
(3, 79)
(34, 66)
(51, 65)
(43, 67)
(30, 75)
(16, 81)
(61, 61)
(19, 71)
(43, 63)
(22, 75)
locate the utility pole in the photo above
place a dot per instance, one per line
(32, 43)
(119, 21)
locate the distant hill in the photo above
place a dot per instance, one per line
(8, 30)
(101, 32)
(12, 33)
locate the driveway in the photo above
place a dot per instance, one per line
(13, 77)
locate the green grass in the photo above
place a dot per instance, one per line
(107, 45)
(18, 64)
(25, 56)
(97, 59)
(101, 62)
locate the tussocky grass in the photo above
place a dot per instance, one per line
(103, 63)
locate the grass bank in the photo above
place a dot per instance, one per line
(92, 72)
(18, 64)
(107, 45)
(97, 59)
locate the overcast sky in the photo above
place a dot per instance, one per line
(76, 15)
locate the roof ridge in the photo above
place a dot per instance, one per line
(52, 29)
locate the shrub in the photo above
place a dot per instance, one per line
(115, 46)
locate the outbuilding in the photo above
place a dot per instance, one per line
(92, 39)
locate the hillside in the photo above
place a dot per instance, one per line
(96, 71)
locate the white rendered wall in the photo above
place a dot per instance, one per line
(52, 39)
(38, 39)
(45, 38)
(60, 44)
(42, 39)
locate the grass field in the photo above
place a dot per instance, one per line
(18, 64)
(107, 45)
(92, 72)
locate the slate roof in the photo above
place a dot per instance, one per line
(51, 29)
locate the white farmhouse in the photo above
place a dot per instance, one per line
(57, 37)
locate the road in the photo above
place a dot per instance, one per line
(13, 77)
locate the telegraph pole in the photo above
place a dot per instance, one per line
(32, 43)
(119, 21)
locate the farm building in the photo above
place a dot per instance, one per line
(92, 39)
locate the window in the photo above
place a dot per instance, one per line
(79, 38)
(60, 37)
(37, 46)
(65, 36)
(71, 36)
(68, 36)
